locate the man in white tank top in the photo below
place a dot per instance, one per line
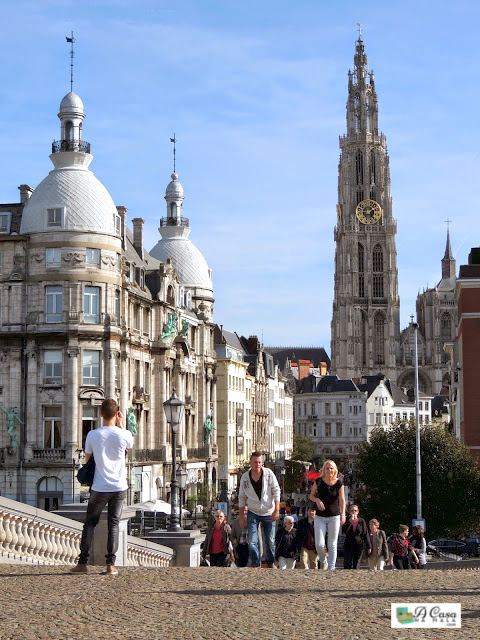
(108, 445)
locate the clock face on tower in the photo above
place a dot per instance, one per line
(368, 211)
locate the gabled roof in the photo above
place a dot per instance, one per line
(316, 355)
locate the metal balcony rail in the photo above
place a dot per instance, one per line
(174, 222)
(70, 145)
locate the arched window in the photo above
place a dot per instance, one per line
(69, 130)
(377, 271)
(361, 271)
(446, 327)
(379, 339)
(372, 168)
(170, 296)
(359, 167)
(49, 493)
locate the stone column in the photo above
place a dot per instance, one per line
(73, 432)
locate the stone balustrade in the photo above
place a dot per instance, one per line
(33, 536)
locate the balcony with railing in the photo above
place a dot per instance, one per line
(49, 454)
(174, 222)
(70, 145)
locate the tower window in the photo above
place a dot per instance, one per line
(378, 272)
(54, 217)
(379, 338)
(361, 271)
(359, 167)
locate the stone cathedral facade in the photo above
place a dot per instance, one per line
(366, 336)
(87, 313)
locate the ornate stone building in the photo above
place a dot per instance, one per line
(366, 337)
(366, 307)
(88, 313)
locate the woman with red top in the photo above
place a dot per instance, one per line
(217, 541)
(401, 547)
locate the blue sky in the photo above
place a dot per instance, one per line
(255, 92)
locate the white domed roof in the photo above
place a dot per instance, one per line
(191, 266)
(174, 188)
(71, 102)
(87, 204)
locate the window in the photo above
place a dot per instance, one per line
(118, 224)
(92, 258)
(361, 271)
(355, 410)
(53, 304)
(91, 304)
(89, 421)
(420, 406)
(339, 430)
(117, 306)
(146, 321)
(52, 427)
(327, 408)
(338, 408)
(53, 257)
(0, 262)
(146, 381)
(52, 367)
(54, 217)
(379, 339)
(91, 367)
(377, 271)
(328, 430)
(5, 222)
(359, 167)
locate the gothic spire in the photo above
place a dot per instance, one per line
(448, 261)
(362, 108)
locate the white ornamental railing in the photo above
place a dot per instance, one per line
(33, 536)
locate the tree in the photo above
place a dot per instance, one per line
(303, 448)
(450, 479)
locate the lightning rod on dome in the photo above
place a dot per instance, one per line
(71, 40)
(174, 140)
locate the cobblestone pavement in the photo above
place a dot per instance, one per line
(48, 603)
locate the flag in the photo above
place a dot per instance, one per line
(173, 140)
(69, 39)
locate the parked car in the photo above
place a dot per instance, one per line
(456, 547)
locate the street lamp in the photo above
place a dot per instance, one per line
(282, 473)
(182, 483)
(173, 408)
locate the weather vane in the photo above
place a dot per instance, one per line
(71, 40)
(174, 140)
(448, 224)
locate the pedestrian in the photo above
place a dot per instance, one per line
(306, 540)
(401, 547)
(108, 445)
(260, 492)
(240, 543)
(356, 539)
(420, 546)
(328, 494)
(286, 545)
(218, 542)
(378, 543)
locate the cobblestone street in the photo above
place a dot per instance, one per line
(46, 603)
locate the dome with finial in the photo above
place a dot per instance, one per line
(174, 188)
(71, 103)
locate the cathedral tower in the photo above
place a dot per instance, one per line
(366, 306)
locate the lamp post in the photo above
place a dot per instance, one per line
(282, 473)
(417, 429)
(173, 408)
(182, 483)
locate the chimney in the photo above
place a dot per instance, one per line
(25, 193)
(138, 235)
(122, 212)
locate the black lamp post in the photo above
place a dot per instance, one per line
(173, 411)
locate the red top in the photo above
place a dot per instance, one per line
(216, 543)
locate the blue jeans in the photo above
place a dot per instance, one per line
(96, 504)
(321, 526)
(253, 520)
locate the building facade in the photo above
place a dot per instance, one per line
(87, 313)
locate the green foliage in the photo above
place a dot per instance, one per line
(293, 469)
(450, 480)
(303, 448)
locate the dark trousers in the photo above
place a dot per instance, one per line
(401, 562)
(217, 559)
(96, 504)
(352, 555)
(242, 555)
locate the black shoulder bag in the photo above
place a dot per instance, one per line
(86, 473)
